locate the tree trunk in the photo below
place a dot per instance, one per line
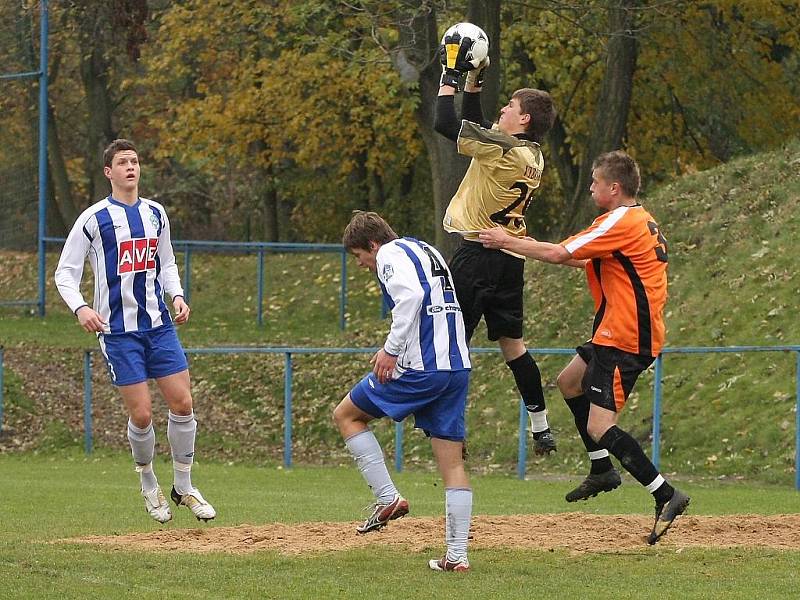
(267, 194)
(99, 105)
(269, 209)
(62, 188)
(611, 112)
(486, 15)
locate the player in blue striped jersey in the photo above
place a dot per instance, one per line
(422, 369)
(127, 240)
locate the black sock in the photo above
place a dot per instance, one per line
(579, 405)
(664, 493)
(529, 382)
(630, 455)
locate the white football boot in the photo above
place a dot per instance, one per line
(195, 502)
(156, 505)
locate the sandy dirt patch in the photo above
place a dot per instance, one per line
(575, 532)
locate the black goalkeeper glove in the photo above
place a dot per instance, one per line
(453, 56)
(450, 75)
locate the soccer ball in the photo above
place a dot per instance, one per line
(479, 44)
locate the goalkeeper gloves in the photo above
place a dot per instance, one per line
(453, 56)
(450, 75)
(475, 76)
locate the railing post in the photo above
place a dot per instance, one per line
(384, 308)
(87, 401)
(287, 410)
(398, 447)
(657, 412)
(260, 286)
(43, 105)
(797, 423)
(2, 387)
(187, 274)
(522, 448)
(343, 291)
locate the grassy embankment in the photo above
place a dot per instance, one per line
(732, 235)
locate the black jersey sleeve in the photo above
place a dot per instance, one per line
(471, 109)
(445, 121)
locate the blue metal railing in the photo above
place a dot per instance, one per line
(523, 419)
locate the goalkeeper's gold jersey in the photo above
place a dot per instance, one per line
(499, 182)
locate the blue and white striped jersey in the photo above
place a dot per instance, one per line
(427, 332)
(130, 252)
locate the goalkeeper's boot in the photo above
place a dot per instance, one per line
(544, 442)
(666, 513)
(382, 513)
(594, 484)
(156, 505)
(444, 564)
(195, 502)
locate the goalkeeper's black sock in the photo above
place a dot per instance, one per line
(529, 382)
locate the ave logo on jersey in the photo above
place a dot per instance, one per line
(138, 254)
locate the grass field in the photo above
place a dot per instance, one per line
(727, 429)
(48, 498)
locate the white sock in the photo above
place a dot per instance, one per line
(181, 431)
(369, 457)
(147, 477)
(538, 421)
(143, 449)
(458, 512)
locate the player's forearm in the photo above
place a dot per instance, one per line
(68, 285)
(68, 275)
(396, 340)
(171, 280)
(543, 251)
(69, 270)
(471, 109)
(574, 262)
(404, 313)
(170, 277)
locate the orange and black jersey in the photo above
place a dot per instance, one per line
(627, 276)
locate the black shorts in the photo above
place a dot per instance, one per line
(610, 374)
(489, 284)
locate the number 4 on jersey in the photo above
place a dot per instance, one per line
(438, 269)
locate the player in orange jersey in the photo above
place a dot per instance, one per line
(625, 258)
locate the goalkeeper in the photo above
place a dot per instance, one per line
(497, 188)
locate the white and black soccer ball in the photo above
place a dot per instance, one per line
(479, 48)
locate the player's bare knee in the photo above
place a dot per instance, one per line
(596, 430)
(140, 417)
(567, 386)
(181, 406)
(563, 385)
(339, 413)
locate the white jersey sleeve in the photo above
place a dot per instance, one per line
(69, 271)
(398, 276)
(170, 277)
